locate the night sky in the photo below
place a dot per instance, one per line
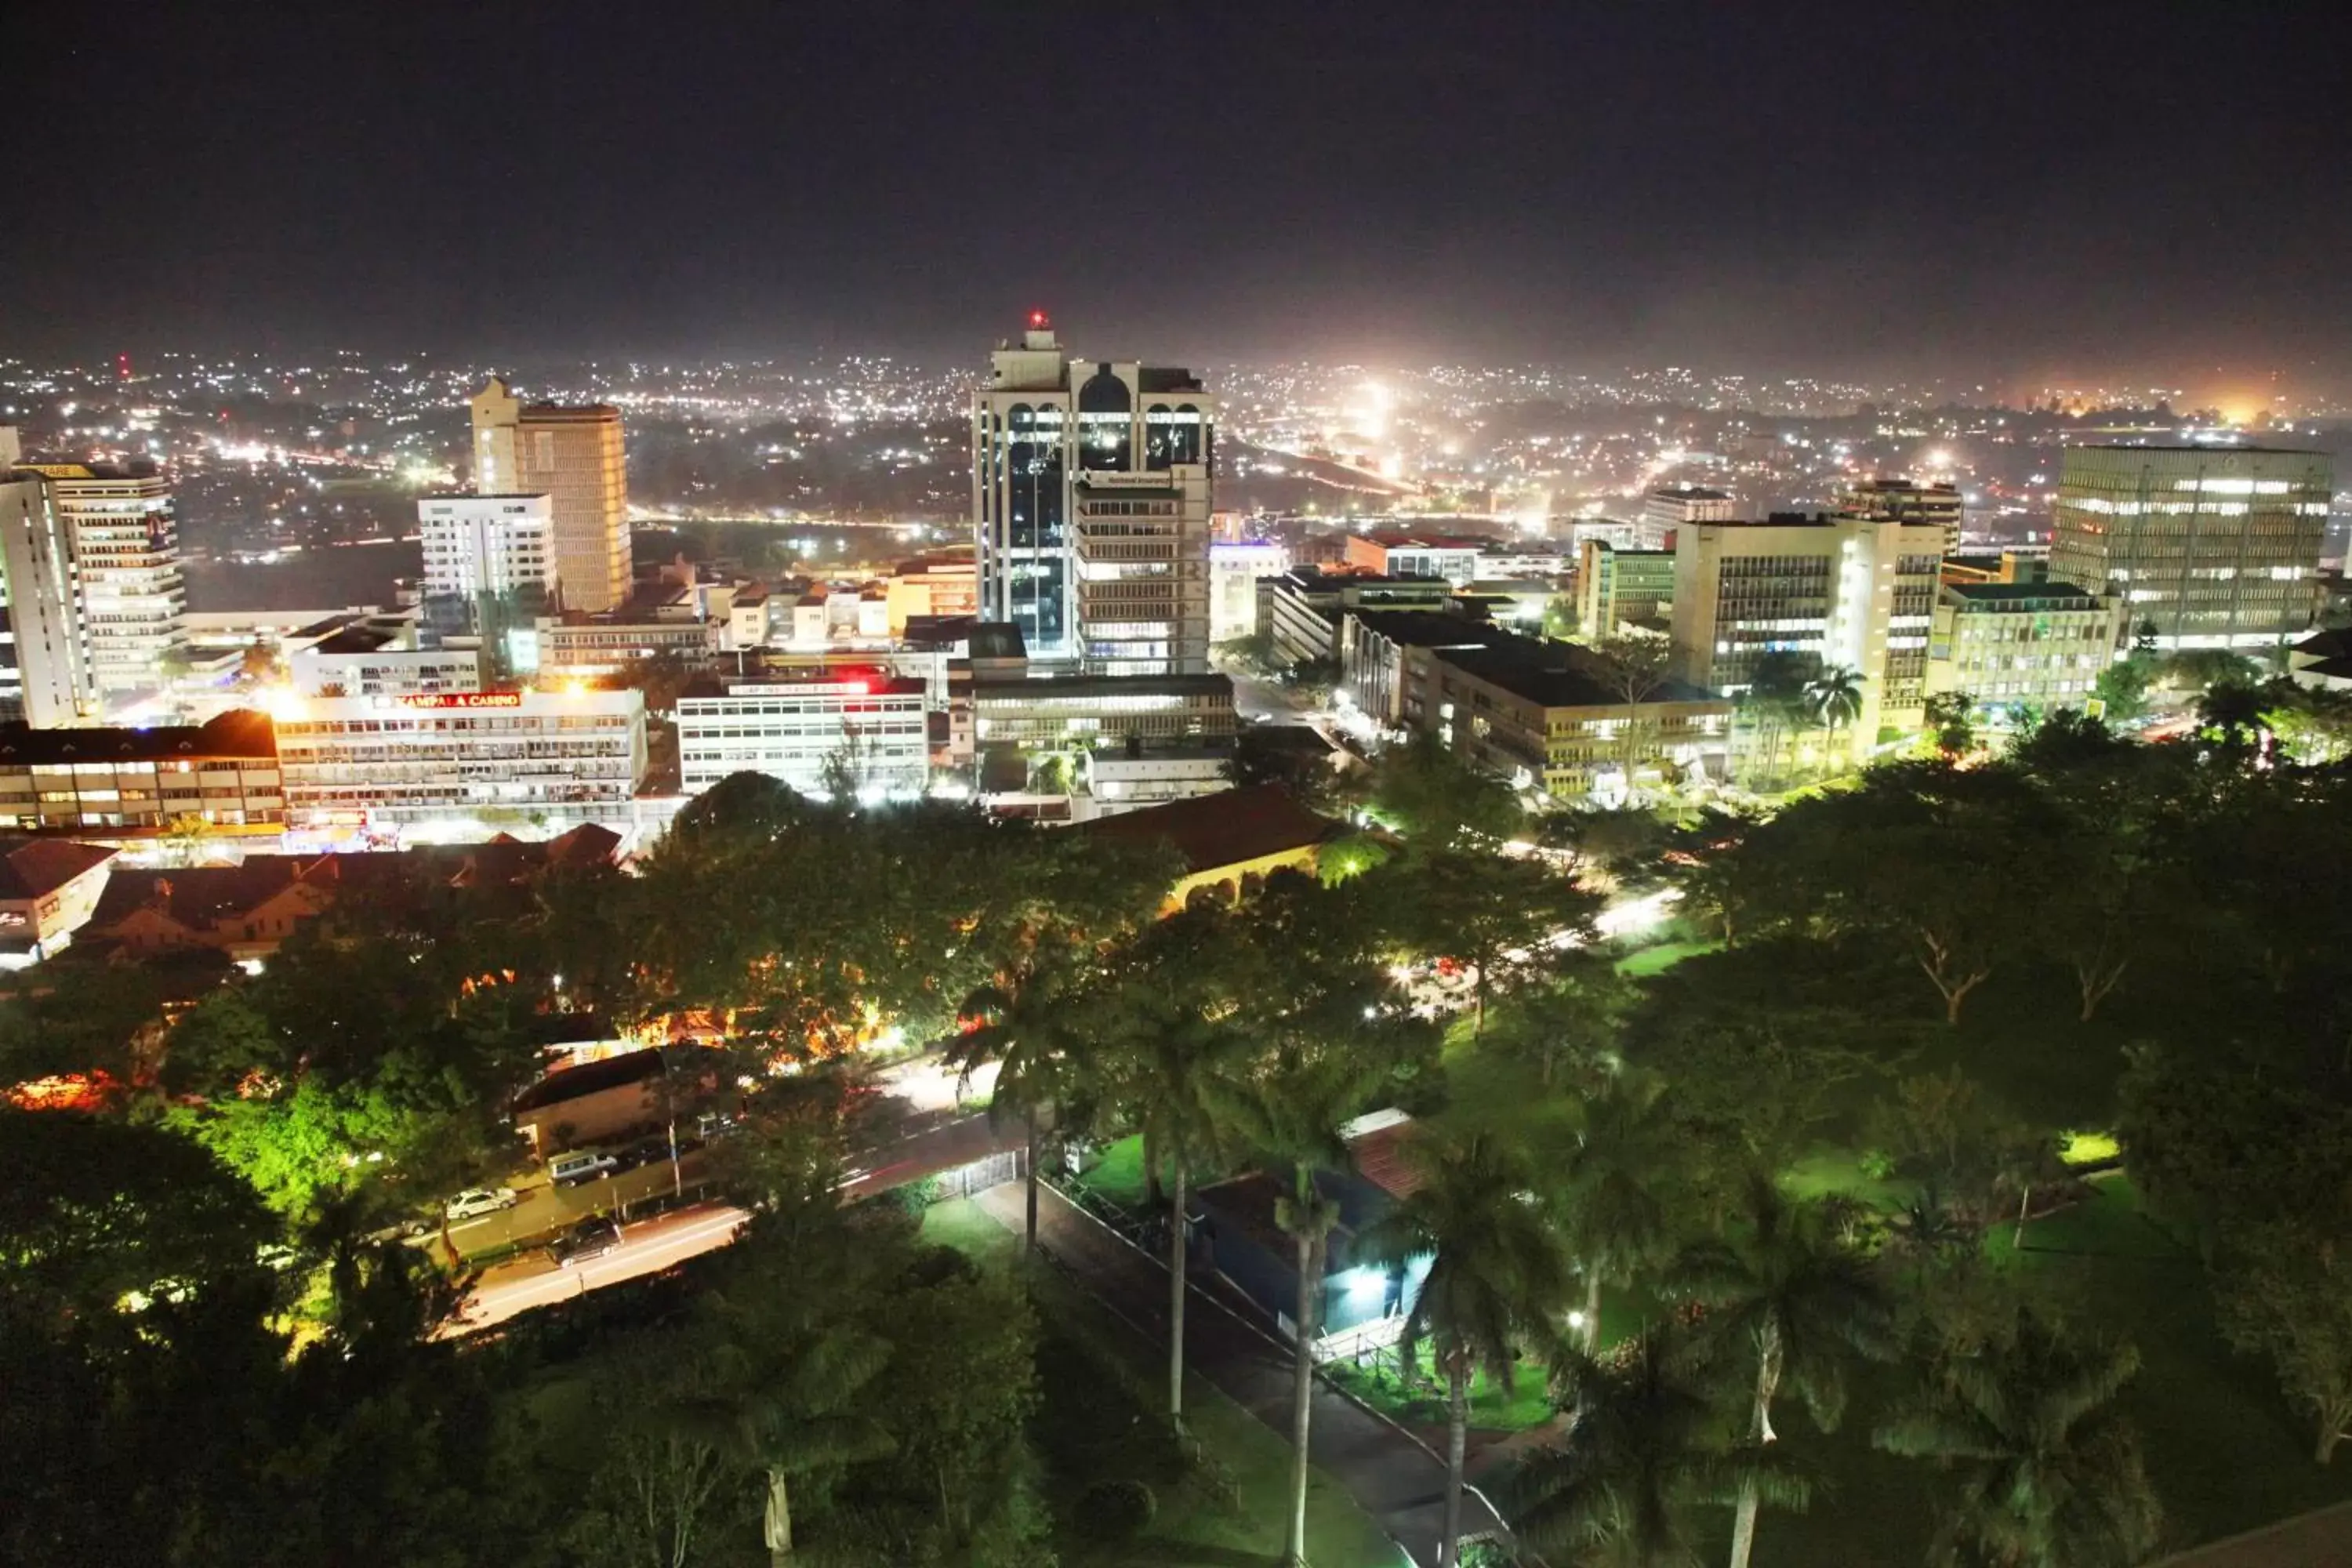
(1990, 190)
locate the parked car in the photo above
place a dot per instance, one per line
(644, 1152)
(581, 1165)
(475, 1201)
(589, 1238)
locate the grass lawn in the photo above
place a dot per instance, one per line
(2223, 1448)
(1376, 1382)
(1118, 1175)
(1665, 955)
(1103, 1385)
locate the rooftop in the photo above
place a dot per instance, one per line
(240, 734)
(1993, 593)
(33, 868)
(1691, 492)
(588, 1077)
(1432, 628)
(1050, 687)
(1559, 675)
(1227, 828)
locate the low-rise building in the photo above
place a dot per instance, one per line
(1372, 644)
(363, 661)
(1130, 778)
(1234, 568)
(1453, 557)
(1558, 718)
(1039, 712)
(2021, 645)
(48, 888)
(1227, 844)
(868, 724)
(116, 784)
(579, 645)
(1299, 610)
(564, 756)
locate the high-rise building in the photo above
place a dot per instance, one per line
(44, 677)
(1906, 500)
(572, 456)
(2213, 547)
(1840, 592)
(1091, 500)
(125, 546)
(1613, 586)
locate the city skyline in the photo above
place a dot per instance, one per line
(1842, 190)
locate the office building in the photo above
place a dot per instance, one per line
(1091, 501)
(44, 673)
(2019, 646)
(588, 647)
(574, 456)
(489, 545)
(1235, 569)
(1668, 509)
(2210, 546)
(1031, 713)
(126, 557)
(869, 726)
(935, 585)
(1389, 553)
(1908, 500)
(1615, 586)
(1299, 611)
(114, 783)
(1840, 593)
(376, 761)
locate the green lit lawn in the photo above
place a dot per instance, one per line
(1102, 1421)
(1665, 955)
(1491, 1408)
(1119, 1176)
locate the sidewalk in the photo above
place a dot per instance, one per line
(1393, 1477)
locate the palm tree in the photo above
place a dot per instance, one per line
(1297, 1117)
(1788, 1291)
(1606, 1188)
(1835, 698)
(2050, 1473)
(1641, 1451)
(1030, 1029)
(1495, 1270)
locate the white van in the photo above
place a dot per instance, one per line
(580, 1166)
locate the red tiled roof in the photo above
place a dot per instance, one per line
(1222, 829)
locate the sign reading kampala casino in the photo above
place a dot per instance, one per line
(432, 700)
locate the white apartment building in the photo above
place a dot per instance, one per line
(1839, 592)
(1115, 582)
(869, 725)
(488, 544)
(1234, 571)
(573, 455)
(126, 557)
(564, 756)
(44, 676)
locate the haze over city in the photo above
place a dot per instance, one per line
(1138, 785)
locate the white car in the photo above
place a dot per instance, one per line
(482, 1201)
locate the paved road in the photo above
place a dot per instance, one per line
(1397, 1481)
(646, 1246)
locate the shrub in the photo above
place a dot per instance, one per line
(1115, 1511)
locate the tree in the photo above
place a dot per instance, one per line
(1495, 1270)
(1634, 669)
(1639, 1455)
(2047, 1473)
(1606, 1185)
(1836, 698)
(1783, 1289)
(2287, 1294)
(1775, 699)
(2122, 687)
(1505, 918)
(1951, 719)
(1435, 799)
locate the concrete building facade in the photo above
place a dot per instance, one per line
(2212, 547)
(2014, 645)
(573, 455)
(44, 668)
(1908, 500)
(1613, 586)
(125, 545)
(1838, 592)
(115, 782)
(871, 725)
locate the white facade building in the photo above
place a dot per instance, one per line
(342, 666)
(568, 756)
(1091, 497)
(873, 726)
(126, 558)
(1234, 572)
(487, 544)
(44, 673)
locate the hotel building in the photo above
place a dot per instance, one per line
(572, 456)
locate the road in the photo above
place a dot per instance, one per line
(646, 1246)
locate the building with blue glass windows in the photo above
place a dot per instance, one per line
(1091, 497)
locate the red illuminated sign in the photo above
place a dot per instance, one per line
(462, 700)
